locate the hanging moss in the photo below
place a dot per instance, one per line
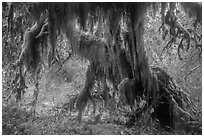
(30, 55)
(155, 84)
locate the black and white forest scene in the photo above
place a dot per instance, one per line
(101, 68)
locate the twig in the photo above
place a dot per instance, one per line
(9, 96)
(43, 30)
(191, 72)
(63, 63)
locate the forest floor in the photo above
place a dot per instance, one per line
(51, 119)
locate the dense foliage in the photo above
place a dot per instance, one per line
(159, 43)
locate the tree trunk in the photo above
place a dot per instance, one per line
(142, 72)
(155, 84)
